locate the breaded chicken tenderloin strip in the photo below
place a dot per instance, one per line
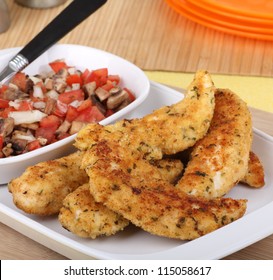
(84, 217)
(147, 200)
(220, 159)
(255, 173)
(167, 130)
(41, 188)
(170, 169)
(142, 195)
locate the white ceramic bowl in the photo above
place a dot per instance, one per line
(82, 57)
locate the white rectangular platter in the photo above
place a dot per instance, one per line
(134, 243)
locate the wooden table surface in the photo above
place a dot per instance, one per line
(151, 35)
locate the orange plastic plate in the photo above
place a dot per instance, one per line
(253, 8)
(182, 8)
(246, 19)
(226, 21)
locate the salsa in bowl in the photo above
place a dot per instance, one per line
(43, 108)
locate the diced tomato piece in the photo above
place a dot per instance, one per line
(4, 103)
(109, 85)
(101, 72)
(85, 115)
(85, 75)
(70, 96)
(20, 80)
(57, 65)
(47, 133)
(3, 88)
(91, 78)
(6, 111)
(97, 114)
(90, 115)
(25, 105)
(60, 109)
(99, 76)
(1, 142)
(131, 95)
(34, 145)
(114, 78)
(50, 121)
(74, 79)
(72, 114)
(85, 104)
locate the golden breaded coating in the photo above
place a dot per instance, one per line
(170, 169)
(125, 179)
(220, 159)
(132, 187)
(41, 188)
(255, 173)
(84, 217)
(167, 130)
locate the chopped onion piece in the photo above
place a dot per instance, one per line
(76, 86)
(35, 80)
(75, 103)
(28, 138)
(71, 70)
(68, 88)
(37, 92)
(42, 141)
(39, 105)
(15, 104)
(27, 116)
(13, 86)
(52, 94)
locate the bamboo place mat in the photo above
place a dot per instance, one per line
(151, 35)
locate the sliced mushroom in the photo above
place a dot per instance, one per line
(115, 100)
(59, 84)
(50, 105)
(7, 150)
(23, 135)
(18, 145)
(102, 94)
(76, 126)
(89, 88)
(14, 93)
(64, 127)
(6, 126)
(125, 103)
(97, 103)
(26, 126)
(29, 86)
(115, 90)
(48, 83)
